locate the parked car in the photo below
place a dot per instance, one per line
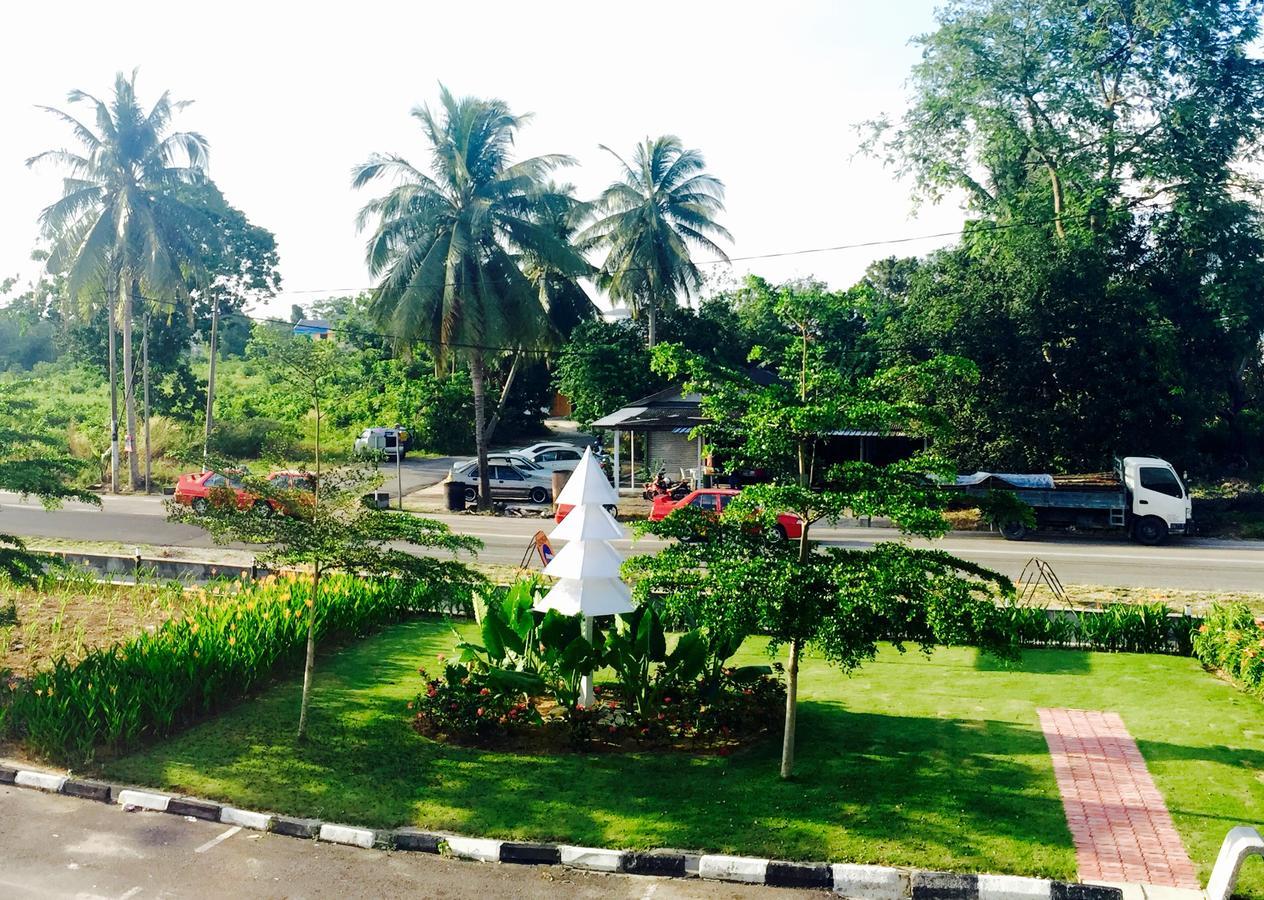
(505, 481)
(564, 508)
(713, 500)
(515, 458)
(557, 459)
(543, 445)
(196, 490)
(390, 441)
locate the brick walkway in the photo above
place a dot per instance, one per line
(1119, 822)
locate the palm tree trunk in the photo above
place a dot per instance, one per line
(478, 380)
(653, 329)
(504, 394)
(114, 416)
(144, 366)
(129, 386)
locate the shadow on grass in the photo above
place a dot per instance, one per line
(914, 790)
(1038, 662)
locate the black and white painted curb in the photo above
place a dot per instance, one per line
(855, 881)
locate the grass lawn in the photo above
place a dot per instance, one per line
(937, 763)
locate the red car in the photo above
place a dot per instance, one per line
(714, 500)
(195, 489)
(565, 508)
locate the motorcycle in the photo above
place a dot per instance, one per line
(662, 485)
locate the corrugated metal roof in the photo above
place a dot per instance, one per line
(618, 417)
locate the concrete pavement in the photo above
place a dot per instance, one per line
(61, 847)
(1183, 563)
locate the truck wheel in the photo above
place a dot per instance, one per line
(539, 495)
(1014, 531)
(471, 495)
(1150, 531)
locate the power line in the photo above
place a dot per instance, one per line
(780, 254)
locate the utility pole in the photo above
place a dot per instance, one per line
(210, 383)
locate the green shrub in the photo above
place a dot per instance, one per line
(223, 647)
(1231, 639)
(250, 438)
(1119, 627)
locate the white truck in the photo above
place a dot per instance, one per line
(1142, 496)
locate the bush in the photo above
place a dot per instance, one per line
(193, 666)
(1231, 640)
(1119, 627)
(250, 438)
(465, 702)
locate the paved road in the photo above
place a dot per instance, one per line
(60, 847)
(1194, 564)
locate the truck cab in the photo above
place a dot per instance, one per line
(1158, 502)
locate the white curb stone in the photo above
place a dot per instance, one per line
(1013, 887)
(245, 818)
(733, 868)
(596, 859)
(45, 781)
(870, 882)
(156, 802)
(344, 834)
(481, 849)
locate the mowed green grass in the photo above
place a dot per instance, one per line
(931, 762)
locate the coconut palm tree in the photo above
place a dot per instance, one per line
(448, 247)
(663, 204)
(119, 232)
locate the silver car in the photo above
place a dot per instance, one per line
(505, 481)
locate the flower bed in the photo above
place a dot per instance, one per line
(741, 706)
(1231, 640)
(521, 687)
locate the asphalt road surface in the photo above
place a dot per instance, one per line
(62, 847)
(1187, 563)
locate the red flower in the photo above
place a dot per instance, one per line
(484, 692)
(667, 699)
(430, 691)
(661, 717)
(480, 711)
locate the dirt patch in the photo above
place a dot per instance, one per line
(40, 624)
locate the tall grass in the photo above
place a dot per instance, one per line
(222, 647)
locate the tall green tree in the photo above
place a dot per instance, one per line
(1106, 148)
(119, 230)
(662, 207)
(726, 574)
(449, 247)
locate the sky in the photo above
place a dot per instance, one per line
(292, 96)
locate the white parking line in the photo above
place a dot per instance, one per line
(213, 841)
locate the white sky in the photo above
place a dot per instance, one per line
(291, 96)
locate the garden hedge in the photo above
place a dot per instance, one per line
(1231, 640)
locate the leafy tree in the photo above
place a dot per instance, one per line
(30, 466)
(726, 575)
(603, 367)
(120, 227)
(663, 204)
(449, 247)
(1110, 291)
(322, 521)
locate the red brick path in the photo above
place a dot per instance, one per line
(1119, 822)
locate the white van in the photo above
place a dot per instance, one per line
(389, 441)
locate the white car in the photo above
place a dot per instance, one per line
(505, 481)
(542, 445)
(557, 459)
